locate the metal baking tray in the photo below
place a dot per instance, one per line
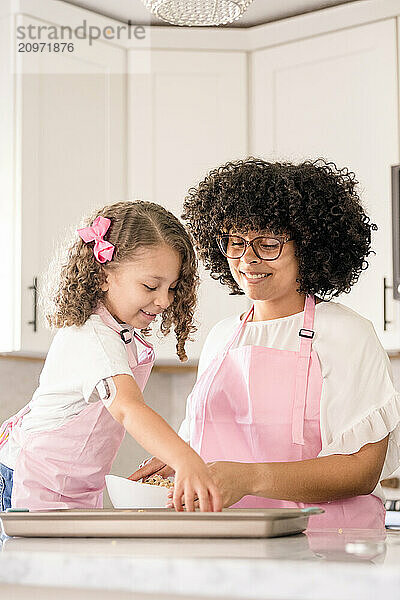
(156, 523)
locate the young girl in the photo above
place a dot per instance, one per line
(133, 262)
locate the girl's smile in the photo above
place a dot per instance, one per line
(149, 314)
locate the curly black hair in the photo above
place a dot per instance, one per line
(314, 202)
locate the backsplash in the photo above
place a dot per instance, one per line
(166, 393)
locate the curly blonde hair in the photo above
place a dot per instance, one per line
(134, 225)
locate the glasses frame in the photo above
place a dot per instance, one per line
(280, 238)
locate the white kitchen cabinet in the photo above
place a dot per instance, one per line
(335, 95)
(187, 115)
(185, 112)
(69, 138)
(119, 120)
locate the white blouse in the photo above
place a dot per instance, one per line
(359, 403)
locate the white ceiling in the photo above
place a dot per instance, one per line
(260, 11)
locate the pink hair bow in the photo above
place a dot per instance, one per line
(102, 249)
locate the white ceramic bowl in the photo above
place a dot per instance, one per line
(125, 493)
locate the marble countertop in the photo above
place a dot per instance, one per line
(323, 565)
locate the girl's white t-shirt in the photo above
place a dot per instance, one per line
(359, 403)
(78, 360)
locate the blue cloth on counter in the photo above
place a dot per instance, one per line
(6, 484)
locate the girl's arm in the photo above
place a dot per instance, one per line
(157, 437)
(322, 479)
(154, 465)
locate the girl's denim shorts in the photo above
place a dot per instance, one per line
(6, 483)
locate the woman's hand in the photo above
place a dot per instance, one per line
(153, 466)
(194, 487)
(231, 478)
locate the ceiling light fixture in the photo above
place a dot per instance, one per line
(198, 13)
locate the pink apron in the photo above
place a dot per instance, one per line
(65, 467)
(255, 404)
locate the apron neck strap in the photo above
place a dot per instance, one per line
(125, 334)
(306, 334)
(239, 329)
(142, 341)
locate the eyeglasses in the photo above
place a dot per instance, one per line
(264, 247)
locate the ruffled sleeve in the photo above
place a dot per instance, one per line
(359, 404)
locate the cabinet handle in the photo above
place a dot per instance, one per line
(35, 295)
(385, 320)
(396, 230)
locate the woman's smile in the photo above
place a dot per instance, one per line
(253, 277)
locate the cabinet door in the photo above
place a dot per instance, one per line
(335, 96)
(187, 115)
(71, 149)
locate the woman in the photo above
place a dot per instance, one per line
(294, 403)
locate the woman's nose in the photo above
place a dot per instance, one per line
(249, 256)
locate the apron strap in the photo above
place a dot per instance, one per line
(142, 340)
(148, 350)
(238, 330)
(125, 335)
(306, 334)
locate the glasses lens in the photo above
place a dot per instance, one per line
(232, 246)
(267, 248)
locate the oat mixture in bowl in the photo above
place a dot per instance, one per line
(158, 480)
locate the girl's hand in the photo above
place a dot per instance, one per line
(231, 479)
(155, 465)
(193, 482)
